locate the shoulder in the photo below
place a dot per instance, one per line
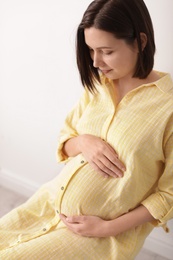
(164, 92)
(165, 83)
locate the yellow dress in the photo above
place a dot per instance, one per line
(140, 128)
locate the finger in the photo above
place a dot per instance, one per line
(113, 158)
(75, 219)
(98, 170)
(71, 226)
(110, 169)
(107, 171)
(63, 217)
(103, 170)
(112, 149)
(109, 148)
(64, 220)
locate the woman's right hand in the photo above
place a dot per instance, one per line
(100, 155)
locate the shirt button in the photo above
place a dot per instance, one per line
(82, 161)
(57, 211)
(44, 229)
(62, 188)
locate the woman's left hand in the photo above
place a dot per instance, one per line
(88, 226)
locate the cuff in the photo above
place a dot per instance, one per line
(60, 156)
(159, 209)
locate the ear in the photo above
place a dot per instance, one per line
(143, 37)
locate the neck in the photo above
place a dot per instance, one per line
(123, 86)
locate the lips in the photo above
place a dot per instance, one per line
(105, 71)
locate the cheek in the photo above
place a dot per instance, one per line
(112, 61)
(131, 57)
(126, 60)
(117, 61)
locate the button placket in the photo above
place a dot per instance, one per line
(78, 162)
(59, 196)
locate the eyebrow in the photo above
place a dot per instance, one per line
(102, 47)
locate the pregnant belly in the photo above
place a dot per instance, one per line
(88, 193)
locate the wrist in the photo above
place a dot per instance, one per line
(110, 228)
(80, 142)
(125, 222)
(72, 146)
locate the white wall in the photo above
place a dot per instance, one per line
(39, 83)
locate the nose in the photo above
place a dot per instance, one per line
(97, 59)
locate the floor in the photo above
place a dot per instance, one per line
(10, 200)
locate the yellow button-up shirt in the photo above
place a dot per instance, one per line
(140, 129)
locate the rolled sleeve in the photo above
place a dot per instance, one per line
(159, 208)
(61, 157)
(160, 203)
(69, 129)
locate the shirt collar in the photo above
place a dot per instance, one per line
(165, 83)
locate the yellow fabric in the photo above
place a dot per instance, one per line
(140, 128)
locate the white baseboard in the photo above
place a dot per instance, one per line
(159, 247)
(27, 188)
(17, 184)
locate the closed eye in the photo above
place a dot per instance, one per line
(102, 51)
(108, 53)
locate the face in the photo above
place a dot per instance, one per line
(113, 57)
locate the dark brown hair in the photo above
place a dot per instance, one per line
(126, 19)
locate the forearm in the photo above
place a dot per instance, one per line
(127, 221)
(71, 147)
(76, 145)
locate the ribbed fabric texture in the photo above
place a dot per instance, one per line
(140, 129)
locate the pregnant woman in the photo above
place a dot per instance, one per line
(117, 146)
